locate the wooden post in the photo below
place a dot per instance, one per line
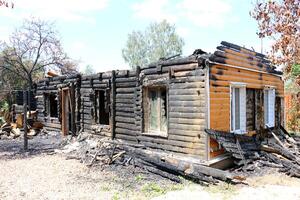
(113, 104)
(25, 120)
(29, 100)
(73, 107)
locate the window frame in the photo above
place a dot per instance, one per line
(146, 111)
(242, 107)
(96, 105)
(47, 104)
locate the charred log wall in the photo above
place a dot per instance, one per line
(185, 85)
(54, 85)
(89, 87)
(127, 126)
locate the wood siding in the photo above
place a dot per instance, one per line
(220, 77)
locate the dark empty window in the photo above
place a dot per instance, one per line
(102, 99)
(51, 105)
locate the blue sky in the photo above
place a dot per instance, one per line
(95, 31)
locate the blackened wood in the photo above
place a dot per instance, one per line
(73, 107)
(178, 61)
(113, 104)
(234, 46)
(185, 168)
(25, 120)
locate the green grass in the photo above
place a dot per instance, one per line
(139, 178)
(116, 196)
(226, 189)
(153, 188)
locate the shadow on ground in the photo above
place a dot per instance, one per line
(14, 148)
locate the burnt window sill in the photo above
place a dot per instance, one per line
(156, 134)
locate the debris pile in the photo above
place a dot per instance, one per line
(10, 130)
(275, 149)
(91, 150)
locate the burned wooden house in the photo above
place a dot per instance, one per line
(167, 105)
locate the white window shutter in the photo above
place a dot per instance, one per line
(271, 103)
(266, 104)
(243, 109)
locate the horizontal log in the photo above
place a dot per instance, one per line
(183, 138)
(184, 109)
(126, 114)
(250, 60)
(125, 131)
(126, 100)
(173, 148)
(186, 85)
(192, 145)
(243, 49)
(125, 73)
(125, 90)
(102, 86)
(126, 80)
(197, 72)
(126, 126)
(186, 98)
(125, 96)
(124, 109)
(188, 79)
(201, 103)
(189, 91)
(187, 121)
(126, 85)
(124, 105)
(187, 115)
(125, 119)
(187, 127)
(126, 137)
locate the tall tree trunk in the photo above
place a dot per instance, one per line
(30, 84)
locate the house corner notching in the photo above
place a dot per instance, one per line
(167, 105)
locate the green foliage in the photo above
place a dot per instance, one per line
(295, 71)
(293, 123)
(4, 106)
(159, 40)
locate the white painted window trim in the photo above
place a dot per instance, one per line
(242, 100)
(270, 115)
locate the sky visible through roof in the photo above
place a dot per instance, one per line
(95, 31)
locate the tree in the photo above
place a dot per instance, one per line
(7, 4)
(159, 40)
(279, 20)
(32, 49)
(88, 70)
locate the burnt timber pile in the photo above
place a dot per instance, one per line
(277, 149)
(104, 152)
(159, 112)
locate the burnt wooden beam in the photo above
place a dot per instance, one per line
(234, 46)
(113, 104)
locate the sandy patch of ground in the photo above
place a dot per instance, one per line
(268, 187)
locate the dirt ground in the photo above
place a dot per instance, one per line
(44, 174)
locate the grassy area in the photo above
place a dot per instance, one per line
(139, 187)
(227, 190)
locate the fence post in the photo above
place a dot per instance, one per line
(25, 120)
